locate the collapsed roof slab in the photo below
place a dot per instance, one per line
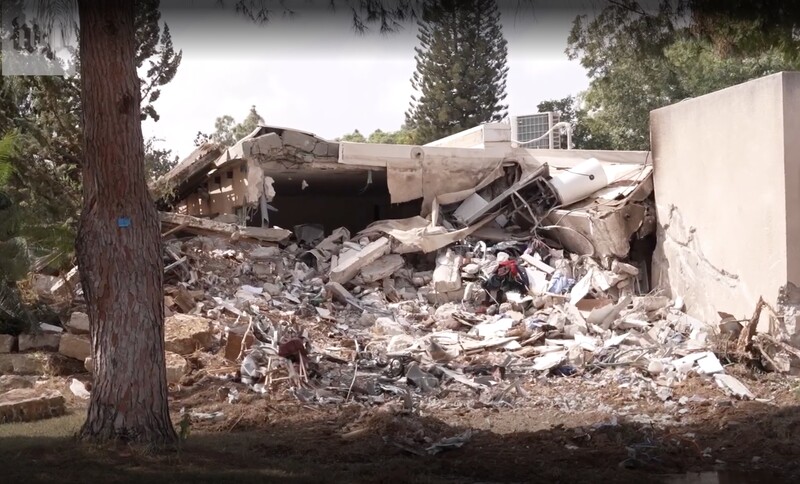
(295, 165)
(425, 172)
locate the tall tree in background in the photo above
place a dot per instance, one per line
(228, 131)
(570, 110)
(403, 136)
(641, 56)
(461, 69)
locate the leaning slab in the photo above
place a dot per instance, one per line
(384, 267)
(351, 263)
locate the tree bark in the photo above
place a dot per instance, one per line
(119, 243)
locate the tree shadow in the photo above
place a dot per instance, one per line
(761, 444)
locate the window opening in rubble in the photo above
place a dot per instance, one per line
(333, 198)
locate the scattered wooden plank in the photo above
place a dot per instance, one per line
(175, 264)
(174, 229)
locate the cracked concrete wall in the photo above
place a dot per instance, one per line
(727, 189)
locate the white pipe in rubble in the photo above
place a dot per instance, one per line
(576, 183)
(562, 124)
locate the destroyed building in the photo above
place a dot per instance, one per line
(355, 271)
(596, 203)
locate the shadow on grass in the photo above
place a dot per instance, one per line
(314, 451)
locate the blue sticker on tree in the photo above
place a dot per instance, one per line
(123, 222)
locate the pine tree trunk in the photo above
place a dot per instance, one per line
(119, 241)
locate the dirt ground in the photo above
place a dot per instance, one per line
(559, 429)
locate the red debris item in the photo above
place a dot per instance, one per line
(293, 348)
(509, 266)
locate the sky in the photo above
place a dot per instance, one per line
(314, 73)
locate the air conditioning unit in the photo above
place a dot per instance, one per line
(533, 126)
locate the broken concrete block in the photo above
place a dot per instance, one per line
(235, 339)
(184, 334)
(13, 382)
(321, 148)
(299, 140)
(382, 268)
(262, 271)
(447, 275)
(28, 404)
(177, 367)
(337, 292)
(351, 263)
(7, 343)
(265, 253)
(39, 342)
(227, 218)
(263, 145)
(420, 279)
(184, 300)
(75, 346)
(387, 327)
(333, 149)
(272, 289)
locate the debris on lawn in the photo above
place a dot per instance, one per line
(402, 311)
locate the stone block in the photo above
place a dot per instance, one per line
(23, 364)
(184, 334)
(7, 343)
(75, 346)
(38, 364)
(39, 342)
(14, 382)
(28, 404)
(177, 367)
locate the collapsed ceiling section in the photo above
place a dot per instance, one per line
(426, 197)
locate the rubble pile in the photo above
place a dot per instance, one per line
(327, 319)
(410, 307)
(340, 317)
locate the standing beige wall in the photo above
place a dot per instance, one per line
(727, 189)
